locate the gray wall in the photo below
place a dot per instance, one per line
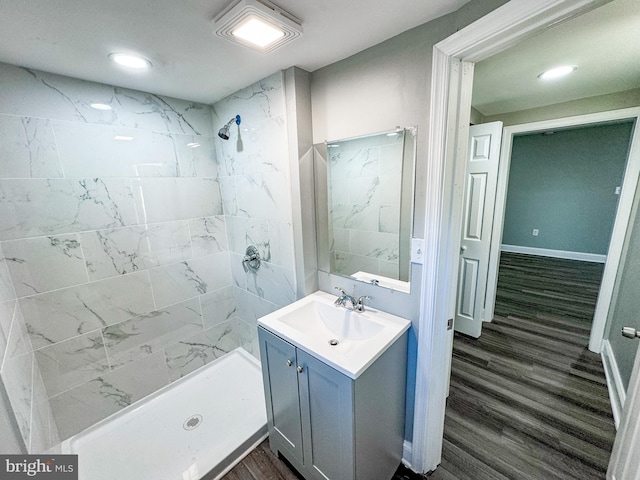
(626, 307)
(583, 106)
(564, 185)
(373, 91)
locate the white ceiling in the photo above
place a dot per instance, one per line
(74, 38)
(604, 44)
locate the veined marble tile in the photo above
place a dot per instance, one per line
(118, 251)
(248, 338)
(263, 99)
(196, 155)
(339, 191)
(161, 114)
(281, 243)
(7, 310)
(56, 316)
(229, 197)
(33, 93)
(389, 219)
(383, 246)
(238, 274)
(27, 148)
(7, 292)
(391, 159)
(17, 375)
(72, 362)
(361, 217)
(41, 264)
(35, 207)
(258, 146)
(341, 240)
(44, 433)
(208, 235)
(263, 195)
(218, 306)
(192, 353)
(390, 269)
(18, 342)
(81, 407)
(273, 283)
(189, 198)
(361, 163)
(251, 307)
(143, 335)
(181, 281)
(349, 263)
(93, 150)
(245, 231)
(375, 190)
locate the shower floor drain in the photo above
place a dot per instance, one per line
(192, 422)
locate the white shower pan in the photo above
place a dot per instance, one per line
(202, 424)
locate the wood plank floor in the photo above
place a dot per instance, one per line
(527, 400)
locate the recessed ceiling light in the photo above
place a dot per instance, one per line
(193, 145)
(259, 25)
(100, 106)
(557, 72)
(123, 138)
(130, 61)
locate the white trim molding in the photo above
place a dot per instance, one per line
(617, 392)
(451, 80)
(546, 252)
(407, 454)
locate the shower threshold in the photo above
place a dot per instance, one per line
(201, 425)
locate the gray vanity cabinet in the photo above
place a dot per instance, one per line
(328, 425)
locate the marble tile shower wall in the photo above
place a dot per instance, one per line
(365, 186)
(115, 277)
(254, 178)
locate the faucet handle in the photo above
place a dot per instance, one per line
(340, 290)
(360, 305)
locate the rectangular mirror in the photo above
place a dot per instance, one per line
(364, 207)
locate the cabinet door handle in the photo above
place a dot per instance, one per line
(289, 363)
(299, 369)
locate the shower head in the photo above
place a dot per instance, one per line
(223, 133)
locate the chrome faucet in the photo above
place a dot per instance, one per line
(356, 305)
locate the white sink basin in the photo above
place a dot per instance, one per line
(348, 341)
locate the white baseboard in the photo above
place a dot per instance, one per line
(617, 393)
(545, 252)
(407, 453)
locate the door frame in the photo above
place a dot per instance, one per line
(622, 216)
(451, 87)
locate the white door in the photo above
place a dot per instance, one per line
(625, 460)
(481, 180)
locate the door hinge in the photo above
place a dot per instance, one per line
(450, 324)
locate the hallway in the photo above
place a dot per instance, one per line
(527, 399)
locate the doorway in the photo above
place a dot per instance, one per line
(558, 197)
(453, 63)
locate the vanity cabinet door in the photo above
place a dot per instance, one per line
(326, 403)
(280, 379)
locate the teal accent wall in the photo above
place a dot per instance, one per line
(564, 185)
